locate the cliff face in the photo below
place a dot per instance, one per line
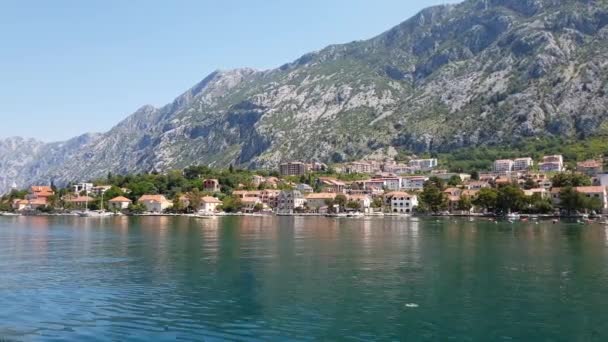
(480, 72)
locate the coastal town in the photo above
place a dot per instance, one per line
(357, 188)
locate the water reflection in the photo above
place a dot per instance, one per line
(280, 278)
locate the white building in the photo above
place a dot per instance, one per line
(553, 163)
(414, 183)
(154, 203)
(80, 187)
(424, 164)
(503, 165)
(522, 164)
(402, 202)
(290, 200)
(209, 204)
(119, 203)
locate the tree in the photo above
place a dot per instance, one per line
(464, 203)
(486, 198)
(510, 198)
(571, 200)
(439, 183)
(340, 200)
(353, 205)
(178, 204)
(231, 204)
(570, 179)
(455, 181)
(475, 175)
(195, 198)
(432, 197)
(529, 184)
(136, 208)
(258, 207)
(330, 203)
(377, 202)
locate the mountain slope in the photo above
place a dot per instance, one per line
(480, 72)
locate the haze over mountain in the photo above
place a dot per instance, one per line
(479, 72)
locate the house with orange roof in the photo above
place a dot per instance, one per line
(590, 167)
(79, 201)
(155, 203)
(119, 203)
(40, 191)
(598, 192)
(209, 204)
(21, 204)
(315, 201)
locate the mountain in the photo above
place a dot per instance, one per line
(482, 72)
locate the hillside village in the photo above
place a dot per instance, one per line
(372, 187)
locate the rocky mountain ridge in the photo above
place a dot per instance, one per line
(479, 72)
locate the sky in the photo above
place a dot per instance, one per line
(69, 67)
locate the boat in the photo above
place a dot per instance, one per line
(9, 214)
(513, 216)
(95, 213)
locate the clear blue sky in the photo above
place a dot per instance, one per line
(70, 66)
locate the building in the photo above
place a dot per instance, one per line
(249, 204)
(414, 183)
(209, 204)
(598, 192)
(242, 194)
(119, 203)
(294, 169)
(81, 202)
(304, 188)
(154, 203)
(503, 165)
(289, 201)
(100, 189)
(542, 192)
(38, 191)
(590, 167)
(270, 197)
(331, 184)
(554, 163)
(522, 164)
(359, 167)
(423, 164)
(316, 201)
(477, 185)
(211, 185)
(364, 201)
(20, 204)
(402, 202)
(83, 187)
(446, 176)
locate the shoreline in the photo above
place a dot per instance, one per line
(596, 218)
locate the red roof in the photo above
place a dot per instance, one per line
(119, 199)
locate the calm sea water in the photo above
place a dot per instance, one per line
(277, 279)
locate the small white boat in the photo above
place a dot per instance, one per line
(91, 213)
(513, 216)
(9, 214)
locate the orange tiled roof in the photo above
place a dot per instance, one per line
(152, 198)
(120, 199)
(209, 199)
(321, 195)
